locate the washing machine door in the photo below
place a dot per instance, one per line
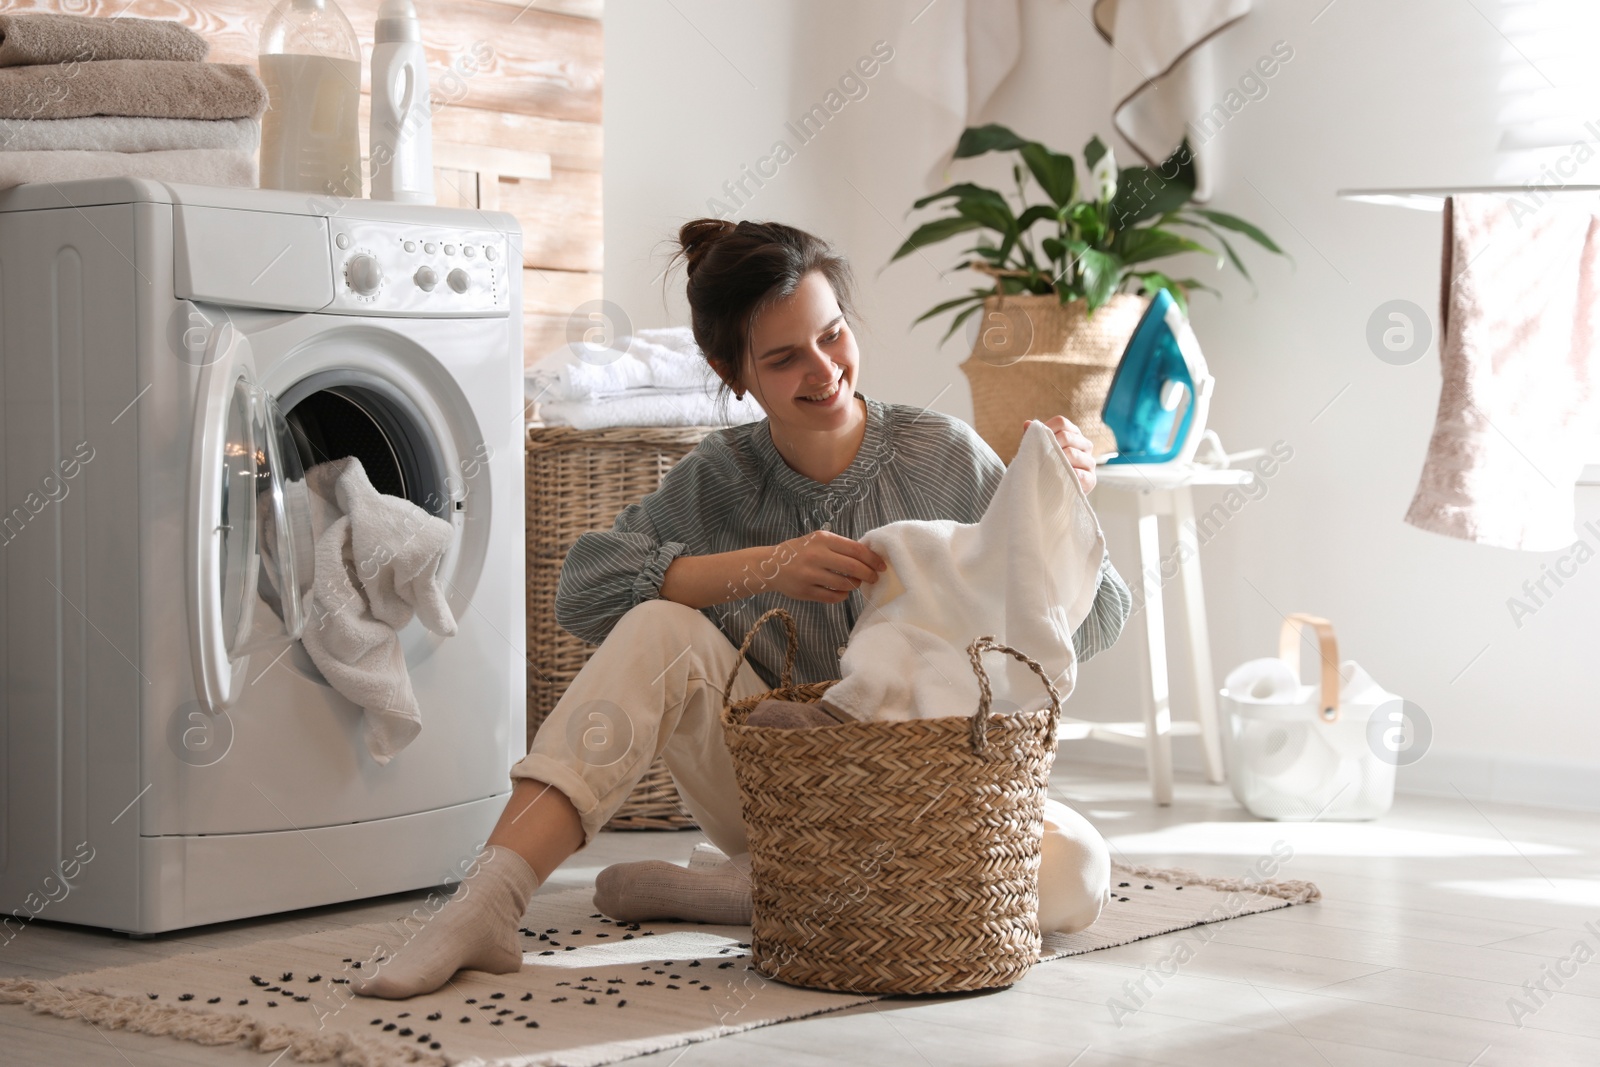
(250, 536)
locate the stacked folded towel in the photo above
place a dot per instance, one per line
(85, 97)
(649, 378)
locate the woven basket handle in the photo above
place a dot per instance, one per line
(979, 723)
(789, 655)
(1327, 649)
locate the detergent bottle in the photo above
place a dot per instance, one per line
(402, 117)
(311, 65)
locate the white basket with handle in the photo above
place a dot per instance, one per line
(1299, 752)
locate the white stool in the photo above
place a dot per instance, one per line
(1164, 489)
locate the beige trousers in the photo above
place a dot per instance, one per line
(654, 688)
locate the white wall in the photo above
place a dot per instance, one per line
(1376, 94)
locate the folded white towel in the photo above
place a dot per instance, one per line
(376, 564)
(1026, 573)
(664, 358)
(201, 166)
(121, 133)
(650, 407)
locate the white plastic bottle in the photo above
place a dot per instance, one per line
(402, 119)
(311, 64)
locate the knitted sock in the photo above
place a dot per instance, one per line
(476, 929)
(655, 889)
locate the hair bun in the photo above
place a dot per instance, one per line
(697, 236)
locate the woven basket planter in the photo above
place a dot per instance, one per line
(579, 480)
(894, 857)
(1035, 357)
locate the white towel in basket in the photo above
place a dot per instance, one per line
(1026, 573)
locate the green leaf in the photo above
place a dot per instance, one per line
(989, 252)
(958, 189)
(1232, 222)
(994, 213)
(1154, 280)
(955, 323)
(976, 140)
(1227, 248)
(1195, 283)
(1138, 246)
(1052, 170)
(1102, 273)
(1086, 217)
(1093, 152)
(934, 232)
(1143, 192)
(976, 294)
(1036, 213)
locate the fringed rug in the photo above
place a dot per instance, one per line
(591, 991)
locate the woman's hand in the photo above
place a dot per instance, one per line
(1079, 449)
(821, 566)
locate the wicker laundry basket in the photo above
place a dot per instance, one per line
(894, 857)
(579, 480)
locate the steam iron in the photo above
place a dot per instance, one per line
(1161, 372)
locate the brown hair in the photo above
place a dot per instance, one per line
(736, 270)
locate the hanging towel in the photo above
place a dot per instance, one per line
(1026, 573)
(955, 55)
(115, 133)
(1161, 73)
(376, 565)
(201, 166)
(39, 37)
(142, 87)
(1519, 409)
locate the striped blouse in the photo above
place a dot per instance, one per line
(735, 491)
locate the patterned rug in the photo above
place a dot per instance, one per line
(591, 991)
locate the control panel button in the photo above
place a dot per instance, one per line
(459, 280)
(342, 240)
(449, 250)
(489, 252)
(430, 248)
(410, 246)
(426, 278)
(363, 274)
(468, 251)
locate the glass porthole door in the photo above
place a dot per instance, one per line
(250, 537)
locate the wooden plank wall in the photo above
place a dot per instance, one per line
(520, 130)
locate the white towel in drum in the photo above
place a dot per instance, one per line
(377, 559)
(1026, 573)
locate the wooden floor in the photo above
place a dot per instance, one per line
(1431, 922)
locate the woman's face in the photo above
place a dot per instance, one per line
(802, 363)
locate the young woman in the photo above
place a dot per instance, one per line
(757, 516)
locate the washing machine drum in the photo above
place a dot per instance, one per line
(336, 414)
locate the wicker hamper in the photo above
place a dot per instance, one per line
(894, 857)
(579, 480)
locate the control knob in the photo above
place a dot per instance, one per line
(426, 278)
(459, 280)
(363, 273)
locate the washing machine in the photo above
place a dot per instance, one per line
(174, 358)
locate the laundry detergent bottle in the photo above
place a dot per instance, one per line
(311, 65)
(402, 118)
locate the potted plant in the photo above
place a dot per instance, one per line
(1059, 313)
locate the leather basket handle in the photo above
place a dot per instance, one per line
(1328, 652)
